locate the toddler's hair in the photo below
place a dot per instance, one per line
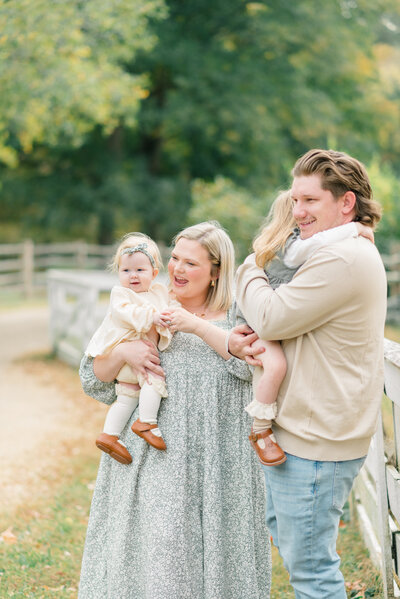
(131, 240)
(279, 224)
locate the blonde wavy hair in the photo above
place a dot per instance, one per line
(278, 225)
(212, 237)
(131, 240)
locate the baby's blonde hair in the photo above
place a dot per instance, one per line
(131, 240)
(278, 226)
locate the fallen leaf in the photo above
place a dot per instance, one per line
(357, 586)
(9, 537)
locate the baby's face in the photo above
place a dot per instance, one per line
(136, 272)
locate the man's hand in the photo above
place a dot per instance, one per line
(239, 344)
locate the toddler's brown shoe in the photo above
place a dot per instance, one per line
(143, 429)
(111, 445)
(269, 453)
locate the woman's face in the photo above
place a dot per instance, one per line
(190, 271)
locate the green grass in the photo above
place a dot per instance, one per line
(45, 559)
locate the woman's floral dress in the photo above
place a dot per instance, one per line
(188, 522)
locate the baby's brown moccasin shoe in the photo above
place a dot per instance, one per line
(111, 445)
(144, 430)
(269, 453)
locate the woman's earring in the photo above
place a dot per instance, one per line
(213, 283)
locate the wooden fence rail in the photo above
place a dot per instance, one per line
(76, 309)
(23, 265)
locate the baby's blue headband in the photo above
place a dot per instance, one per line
(141, 247)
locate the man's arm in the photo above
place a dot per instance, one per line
(308, 301)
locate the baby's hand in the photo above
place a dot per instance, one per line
(163, 319)
(160, 319)
(365, 231)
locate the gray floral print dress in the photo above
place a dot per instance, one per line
(189, 522)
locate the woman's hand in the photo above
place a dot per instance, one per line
(141, 355)
(365, 231)
(239, 344)
(180, 319)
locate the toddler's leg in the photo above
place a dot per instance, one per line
(117, 417)
(146, 425)
(274, 371)
(263, 406)
(119, 414)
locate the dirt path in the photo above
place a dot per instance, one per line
(44, 415)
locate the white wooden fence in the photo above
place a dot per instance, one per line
(76, 309)
(376, 492)
(23, 265)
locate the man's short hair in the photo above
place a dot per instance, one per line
(339, 173)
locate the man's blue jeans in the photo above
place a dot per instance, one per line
(305, 500)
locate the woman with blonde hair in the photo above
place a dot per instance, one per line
(280, 251)
(188, 522)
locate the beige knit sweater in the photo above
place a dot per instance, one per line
(330, 319)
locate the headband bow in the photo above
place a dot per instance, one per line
(141, 247)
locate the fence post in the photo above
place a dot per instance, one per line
(81, 254)
(383, 509)
(28, 253)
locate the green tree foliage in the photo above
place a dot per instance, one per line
(62, 70)
(120, 105)
(386, 186)
(237, 210)
(241, 89)
(66, 95)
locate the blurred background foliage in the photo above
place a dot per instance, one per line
(120, 115)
